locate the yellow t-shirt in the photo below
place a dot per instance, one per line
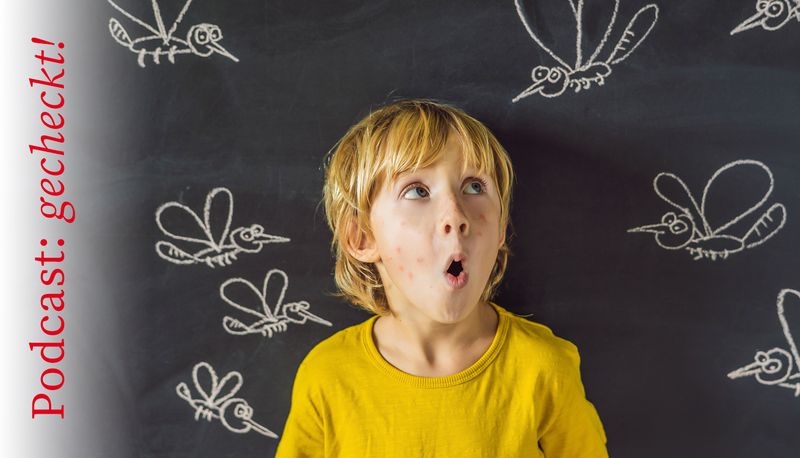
(522, 398)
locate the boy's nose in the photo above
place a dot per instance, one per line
(454, 219)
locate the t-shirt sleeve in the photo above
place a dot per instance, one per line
(574, 429)
(303, 435)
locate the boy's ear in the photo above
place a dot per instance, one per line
(503, 232)
(361, 246)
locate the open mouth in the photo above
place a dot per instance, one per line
(455, 274)
(455, 268)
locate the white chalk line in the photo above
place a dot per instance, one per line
(216, 401)
(269, 319)
(777, 366)
(218, 248)
(202, 39)
(689, 228)
(553, 81)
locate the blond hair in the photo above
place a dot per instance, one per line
(396, 138)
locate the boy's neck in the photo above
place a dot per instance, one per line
(424, 347)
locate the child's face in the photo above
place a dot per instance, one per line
(420, 221)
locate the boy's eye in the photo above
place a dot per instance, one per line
(475, 186)
(415, 192)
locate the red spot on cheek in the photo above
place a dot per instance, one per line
(402, 269)
(410, 275)
(419, 260)
(483, 217)
(398, 250)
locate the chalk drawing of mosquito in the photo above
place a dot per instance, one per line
(216, 247)
(216, 401)
(201, 40)
(771, 15)
(553, 81)
(688, 228)
(778, 366)
(268, 320)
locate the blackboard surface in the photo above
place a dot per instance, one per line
(658, 331)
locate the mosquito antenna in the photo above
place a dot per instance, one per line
(178, 19)
(522, 16)
(134, 18)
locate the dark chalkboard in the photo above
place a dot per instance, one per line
(632, 139)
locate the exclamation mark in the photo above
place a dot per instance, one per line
(45, 42)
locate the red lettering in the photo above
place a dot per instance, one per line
(48, 81)
(45, 346)
(53, 106)
(50, 332)
(48, 210)
(49, 410)
(52, 123)
(50, 297)
(52, 190)
(45, 148)
(60, 170)
(52, 370)
(49, 280)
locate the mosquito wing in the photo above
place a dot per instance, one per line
(595, 21)
(675, 192)
(178, 19)
(275, 284)
(135, 19)
(243, 295)
(789, 317)
(212, 389)
(217, 215)
(735, 191)
(634, 34)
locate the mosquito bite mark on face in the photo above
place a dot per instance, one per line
(398, 250)
(419, 260)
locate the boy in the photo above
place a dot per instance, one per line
(418, 195)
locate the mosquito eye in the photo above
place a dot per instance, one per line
(243, 411)
(539, 73)
(554, 75)
(668, 218)
(678, 227)
(761, 6)
(216, 34)
(775, 9)
(201, 36)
